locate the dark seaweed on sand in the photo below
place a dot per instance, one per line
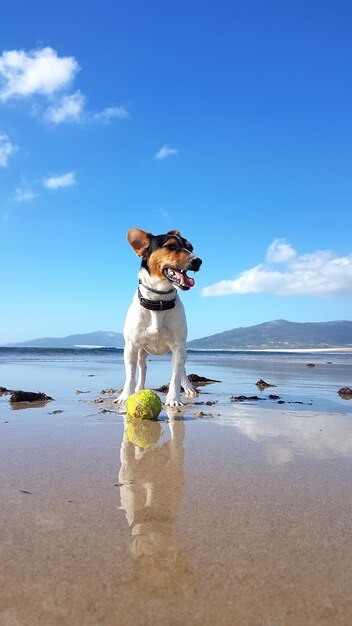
(28, 396)
(194, 379)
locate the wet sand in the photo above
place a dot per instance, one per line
(239, 518)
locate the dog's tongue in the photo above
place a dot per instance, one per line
(188, 282)
(185, 280)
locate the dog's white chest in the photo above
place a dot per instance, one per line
(155, 345)
(155, 337)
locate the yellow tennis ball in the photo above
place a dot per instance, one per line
(143, 433)
(144, 404)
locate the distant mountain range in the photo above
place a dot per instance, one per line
(99, 339)
(279, 334)
(275, 335)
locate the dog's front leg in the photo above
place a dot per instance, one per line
(142, 367)
(173, 397)
(130, 356)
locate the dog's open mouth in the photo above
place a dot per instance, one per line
(178, 277)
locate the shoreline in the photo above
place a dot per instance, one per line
(274, 350)
(87, 348)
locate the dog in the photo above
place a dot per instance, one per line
(156, 320)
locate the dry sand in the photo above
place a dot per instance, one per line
(243, 518)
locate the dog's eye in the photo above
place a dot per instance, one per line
(171, 246)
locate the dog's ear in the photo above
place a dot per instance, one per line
(139, 240)
(174, 232)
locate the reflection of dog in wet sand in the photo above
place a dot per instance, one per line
(156, 321)
(152, 479)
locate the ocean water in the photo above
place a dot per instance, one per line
(61, 372)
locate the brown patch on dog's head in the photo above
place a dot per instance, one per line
(170, 254)
(139, 240)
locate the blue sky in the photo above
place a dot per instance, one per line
(247, 106)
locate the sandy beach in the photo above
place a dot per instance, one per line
(229, 513)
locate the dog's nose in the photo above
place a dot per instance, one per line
(195, 264)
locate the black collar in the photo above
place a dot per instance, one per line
(156, 305)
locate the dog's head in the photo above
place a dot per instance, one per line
(167, 256)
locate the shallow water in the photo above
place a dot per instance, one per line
(60, 372)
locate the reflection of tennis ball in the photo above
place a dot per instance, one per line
(145, 404)
(142, 433)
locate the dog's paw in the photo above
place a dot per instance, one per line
(121, 399)
(173, 402)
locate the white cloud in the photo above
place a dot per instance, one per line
(67, 109)
(6, 149)
(24, 194)
(320, 273)
(165, 152)
(280, 251)
(109, 113)
(42, 73)
(36, 72)
(71, 108)
(56, 182)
